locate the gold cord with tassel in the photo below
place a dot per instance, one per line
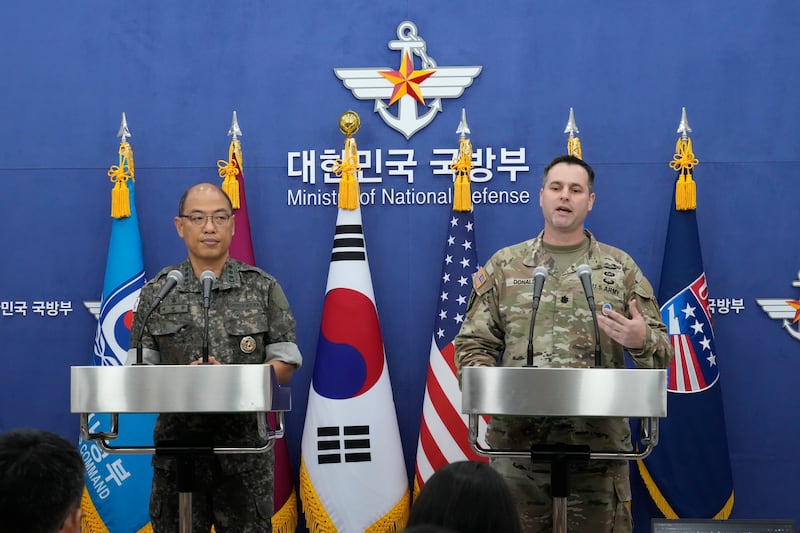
(346, 169)
(228, 170)
(684, 161)
(462, 166)
(120, 174)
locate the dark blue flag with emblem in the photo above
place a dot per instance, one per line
(688, 475)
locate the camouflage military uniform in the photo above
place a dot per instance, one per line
(249, 323)
(495, 331)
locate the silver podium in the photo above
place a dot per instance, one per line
(575, 392)
(191, 389)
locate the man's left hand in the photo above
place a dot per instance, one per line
(629, 332)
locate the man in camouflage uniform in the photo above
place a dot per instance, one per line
(496, 329)
(249, 323)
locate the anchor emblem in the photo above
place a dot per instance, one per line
(788, 311)
(406, 86)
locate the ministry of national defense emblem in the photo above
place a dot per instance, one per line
(785, 310)
(407, 87)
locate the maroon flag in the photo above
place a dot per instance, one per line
(284, 518)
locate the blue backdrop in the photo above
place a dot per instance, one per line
(627, 68)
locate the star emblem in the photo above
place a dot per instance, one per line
(796, 305)
(406, 80)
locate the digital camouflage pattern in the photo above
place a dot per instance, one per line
(250, 322)
(495, 331)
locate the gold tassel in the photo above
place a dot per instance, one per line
(120, 174)
(228, 170)
(680, 193)
(691, 192)
(574, 147)
(462, 166)
(346, 169)
(685, 188)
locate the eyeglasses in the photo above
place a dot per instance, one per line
(220, 220)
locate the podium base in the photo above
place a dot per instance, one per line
(560, 456)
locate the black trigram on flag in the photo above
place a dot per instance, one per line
(348, 243)
(335, 443)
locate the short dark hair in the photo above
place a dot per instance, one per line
(468, 497)
(182, 201)
(570, 160)
(42, 479)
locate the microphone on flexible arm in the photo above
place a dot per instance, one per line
(207, 279)
(584, 272)
(539, 276)
(174, 278)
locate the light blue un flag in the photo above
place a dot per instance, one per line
(118, 486)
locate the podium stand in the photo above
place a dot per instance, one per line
(572, 392)
(187, 389)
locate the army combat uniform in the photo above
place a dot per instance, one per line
(249, 323)
(495, 332)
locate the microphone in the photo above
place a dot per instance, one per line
(174, 278)
(584, 272)
(539, 275)
(206, 280)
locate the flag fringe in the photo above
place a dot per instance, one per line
(318, 520)
(574, 147)
(285, 520)
(119, 175)
(91, 521)
(462, 167)
(228, 170)
(396, 519)
(662, 504)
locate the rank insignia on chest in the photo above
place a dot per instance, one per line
(247, 344)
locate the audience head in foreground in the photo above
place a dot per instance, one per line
(41, 482)
(467, 497)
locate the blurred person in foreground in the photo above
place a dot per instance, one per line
(41, 482)
(465, 497)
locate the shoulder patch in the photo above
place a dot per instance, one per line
(479, 278)
(278, 297)
(481, 281)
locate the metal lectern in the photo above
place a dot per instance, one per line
(577, 392)
(178, 389)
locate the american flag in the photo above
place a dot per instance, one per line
(443, 434)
